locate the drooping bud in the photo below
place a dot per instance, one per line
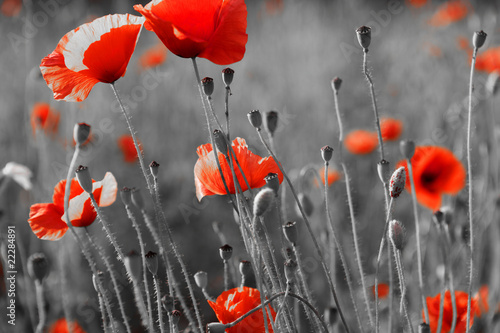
(176, 316)
(133, 264)
(152, 262)
(271, 121)
(407, 148)
(81, 133)
(201, 279)
(273, 182)
(226, 252)
(167, 302)
(478, 39)
(97, 280)
(424, 328)
(327, 153)
(255, 119)
(84, 179)
(153, 167)
(290, 231)
(227, 76)
(331, 315)
(290, 269)
(306, 203)
(220, 141)
(364, 34)
(137, 199)
(208, 85)
(492, 83)
(126, 196)
(384, 171)
(263, 201)
(397, 234)
(38, 267)
(397, 183)
(216, 328)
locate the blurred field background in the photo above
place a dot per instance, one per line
(294, 50)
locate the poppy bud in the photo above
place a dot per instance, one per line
(336, 83)
(153, 167)
(208, 85)
(424, 328)
(220, 141)
(331, 315)
(201, 279)
(407, 148)
(126, 196)
(397, 234)
(38, 267)
(81, 133)
(255, 118)
(290, 268)
(364, 34)
(227, 76)
(152, 262)
(273, 182)
(137, 199)
(263, 201)
(245, 269)
(478, 39)
(167, 302)
(133, 264)
(216, 328)
(384, 171)
(271, 121)
(290, 231)
(97, 279)
(327, 153)
(226, 252)
(84, 179)
(176, 315)
(397, 183)
(306, 203)
(492, 83)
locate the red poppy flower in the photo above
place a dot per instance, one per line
(417, 3)
(234, 303)
(482, 301)
(463, 43)
(45, 118)
(489, 60)
(215, 29)
(61, 326)
(154, 56)
(391, 129)
(94, 52)
(449, 12)
(11, 8)
(274, 7)
(48, 221)
(208, 180)
(361, 142)
(333, 176)
(126, 144)
(461, 298)
(436, 171)
(383, 290)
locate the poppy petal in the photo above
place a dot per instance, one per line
(45, 221)
(60, 188)
(105, 190)
(81, 211)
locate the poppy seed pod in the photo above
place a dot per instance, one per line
(397, 182)
(153, 167)
(167, 302)
(84, 179)
(245, 268)
(97, 280)
(38, 267)
(81, 133)
(290, 269)
(384, 171)
(133, 264)
(216, 328)
(220, 141)
(263, 201)
(273, 182)
(255, 118)
(208, 85)
(201, 279)
(424, 328)
(126, 196)
(397, 234)
(478, 39)
(327, 153)
(364, 34)
(176, 315)
(137, 199)
(271, 121)
(227, 76)
(306, 203)
(407, 148)
(226, 252)
(290, 231)
(336, 84)
(152, 262)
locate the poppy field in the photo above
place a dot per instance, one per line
(249, 166)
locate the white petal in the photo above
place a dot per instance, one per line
(19, 173)
(109, 189)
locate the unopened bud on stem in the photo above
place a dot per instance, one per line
(263, 201)
(81, 133)
(336, 84)
(397, 183)
(38, 266)
(220, 141)
(397, 234)
(407, 148)
(201, 279)
(271, 121)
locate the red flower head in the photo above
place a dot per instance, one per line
(211, 29)
(154, 56)
(44, 118)
(436, 171)
(361, 142)
(333, 176)
(48, 221)
(206, 174)
(234, 303)
(61, 326)
(461, 323)
(383, 290)
(417, 3)
(126, 144)
(94, 52)
(11, 8)
(482, 301)
(449, 12)
(391, 129)
(489, 60)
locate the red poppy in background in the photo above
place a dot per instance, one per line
(11, 8)
(417, 3)
(214, 30)
(45, 118)
(449, 12)
(94, 52)
(489, 60)
(461, 298)
(436, 171)
(208, 180)
(463, 43)
(482, 301)
(274, 7)
(61, 326)
(234, 303)
(48, 221)
(154, 56)
(391, 129)
(126, 144)
(383, 290)
(333, 176)
(361, 142)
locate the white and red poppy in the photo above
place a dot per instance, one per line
(48, 221)
(98, 51)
